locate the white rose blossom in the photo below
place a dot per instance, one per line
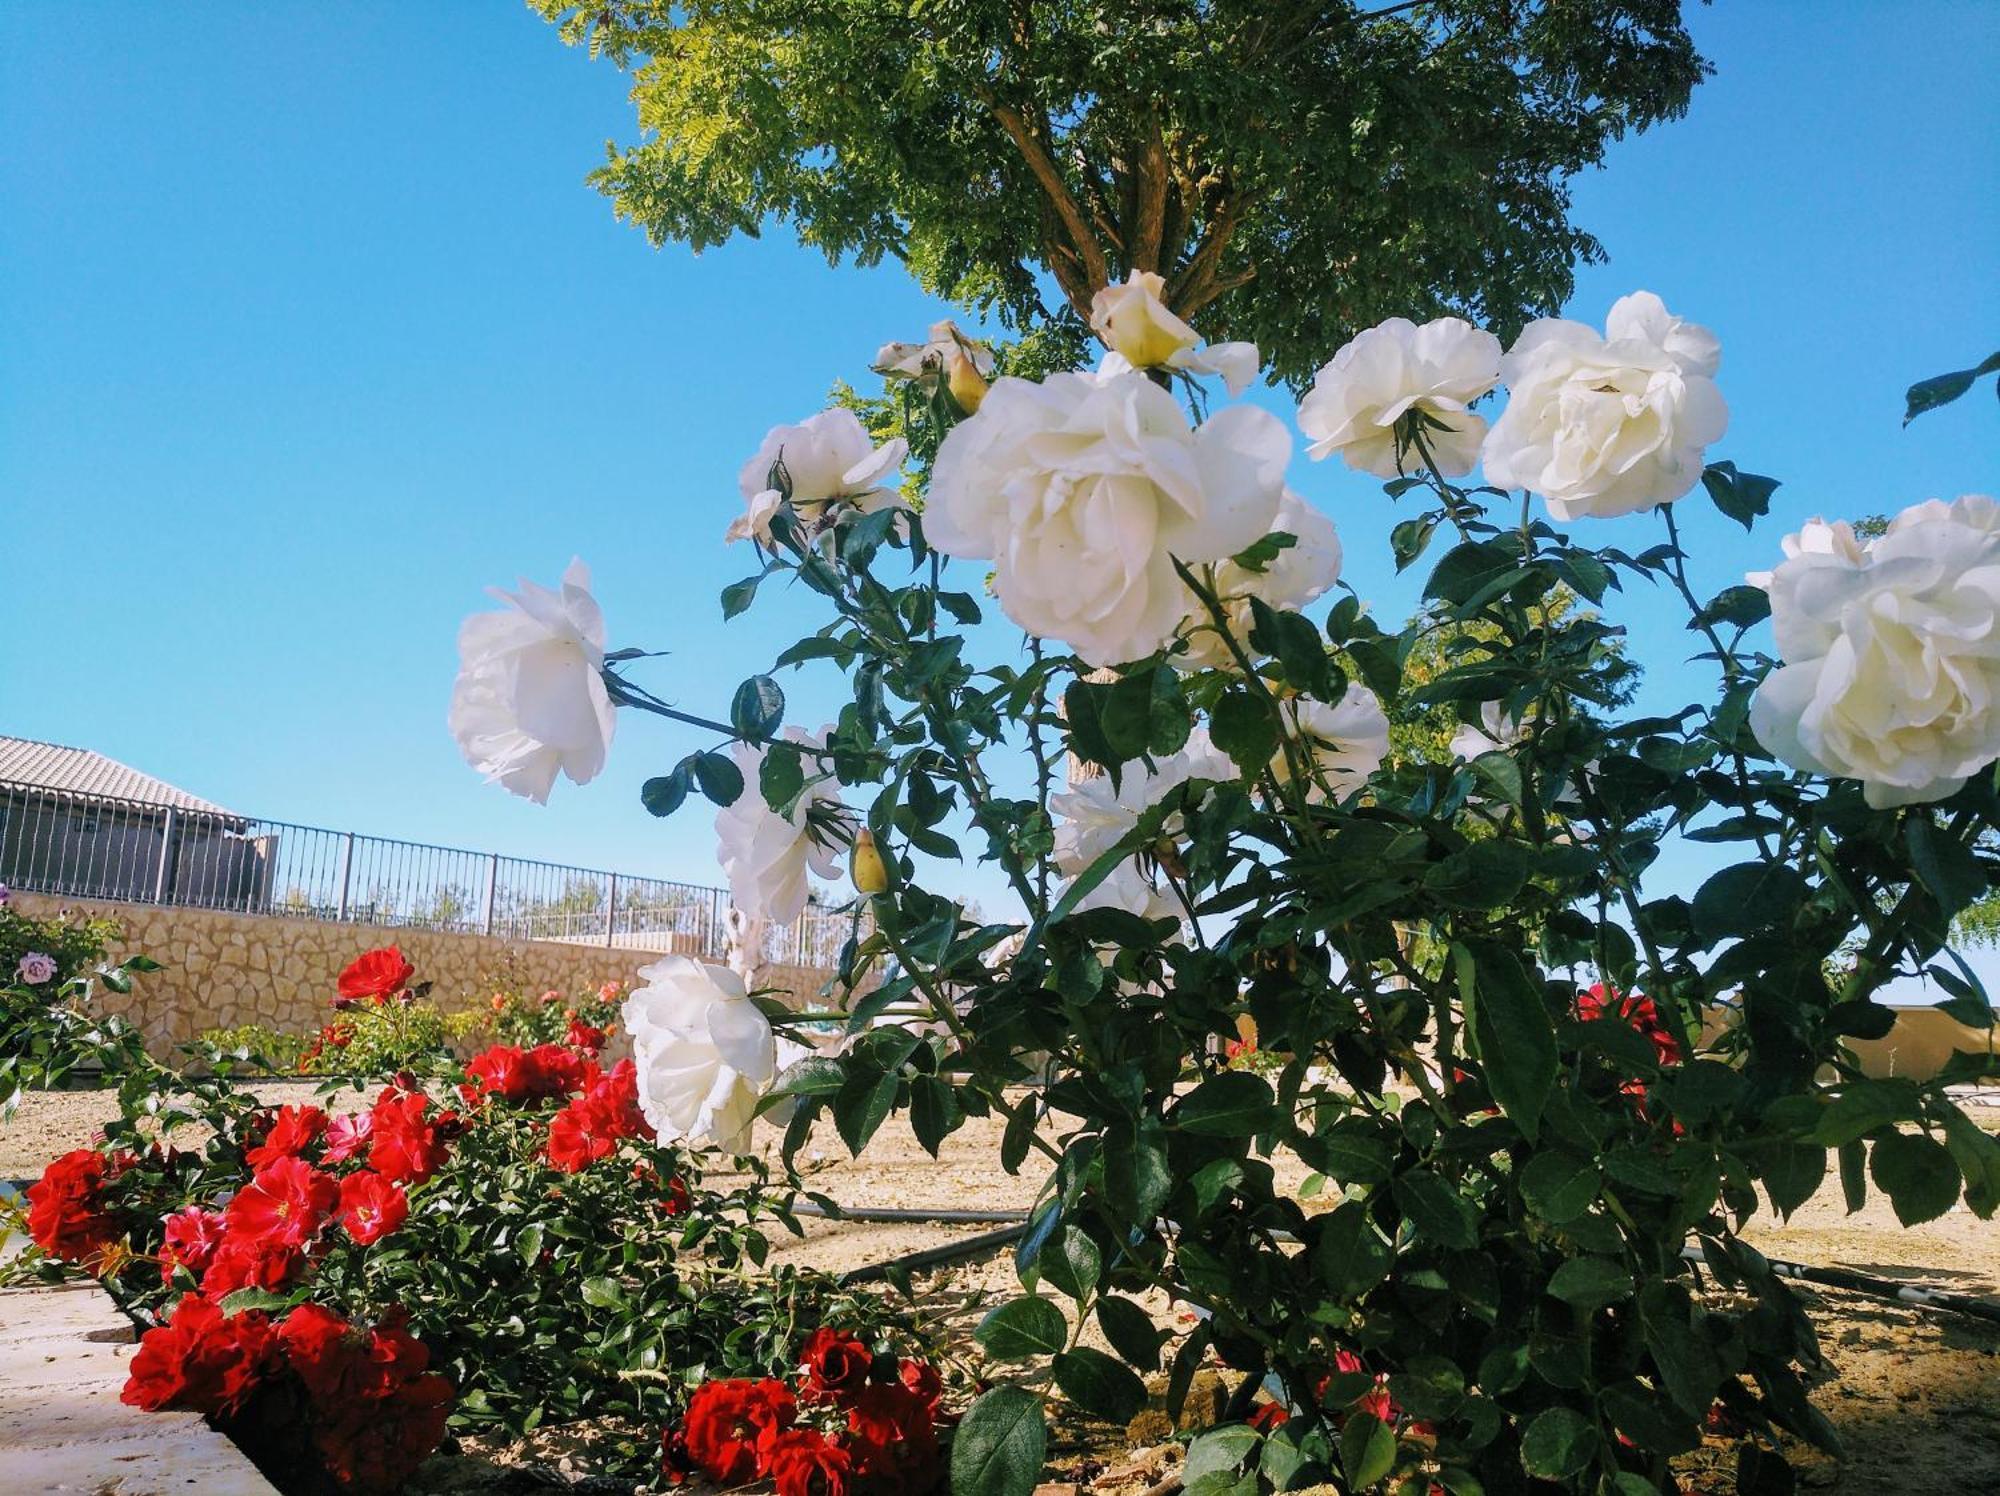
(1096, 816)
(1387, 372)
(931, 360)
(1890, 650)
(529, 701)
(766, 855)
(1136, 326)
(1347, 741)
(1496, 733)
(1299, 574)
(826, 458)
(1603, 426)
(1082, 490)
(704, 1052)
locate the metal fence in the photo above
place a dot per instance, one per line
(89, 846)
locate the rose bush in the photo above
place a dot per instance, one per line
(1516, 1264)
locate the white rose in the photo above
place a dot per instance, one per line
(1297, 576)
(529, 700)
(1891, 652)
(927, 361)
(1081, 490)
(766, 855)
(1607, 426)
(1347, 741)
(1095, 816)
(1495, 733)
(1389, 371)
(825, 458)
(704, 1052)
(1133, 320)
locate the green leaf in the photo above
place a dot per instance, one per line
(1513, 1034)
(663, 794)
(1744, 497)
(1220, 1450)
(737, 596)
(1137, 1176)
(1022, 1328)
(1146, 713)
(1234, 1104)
(1917, 1173)
(244, 1299)
(604, 1293)
(1350, 1254)
(1942, 389)
(1131, 1331)
(758, 708)
(1083, 714)
(861, 1105)
(1438, 1211)
(1559, 1444)
(1746, 898)
(720, 780)
(933, 1112)
(1367, 1450)
(1293, 641)
(1943, 864)
(1244, 726)
(1559, 1186)
(781, 776)
(1071, 1263)
(1739, 607)
(999, 1447)
(1466, 570)
(1100, 1385)
(1591, 1283)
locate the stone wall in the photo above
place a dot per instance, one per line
(221, 970)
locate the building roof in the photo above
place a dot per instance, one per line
(78, 771)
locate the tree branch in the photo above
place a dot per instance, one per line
(1089, 253)
(1149, 220)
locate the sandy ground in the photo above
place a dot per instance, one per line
(1917, 1395)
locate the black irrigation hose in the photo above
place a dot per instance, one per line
(919, 1216)
(1881, 1288)
(951, 1251)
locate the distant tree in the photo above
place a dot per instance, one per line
(1296, 171)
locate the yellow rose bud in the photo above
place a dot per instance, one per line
(866, 867)
(967, 385)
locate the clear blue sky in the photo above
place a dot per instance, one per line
(310, 330)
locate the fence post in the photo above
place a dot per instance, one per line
(346, 872)
(492, 884)
(164, 872)
(611, 914)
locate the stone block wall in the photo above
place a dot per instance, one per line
(221, 970)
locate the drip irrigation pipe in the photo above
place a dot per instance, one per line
(1881, 1288)
(953, 1251)
(918, 1216)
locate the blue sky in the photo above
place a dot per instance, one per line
(310, 330)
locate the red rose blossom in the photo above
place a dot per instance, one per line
(804, 1462)
(191, 1239)
(836, 1364)
(591, 1126)
(727, 1420)
(403, 1145)
(894, 1441)
(244, 1261)
(585, 1036)
(376, 975)
(286, 1134)
(376, 1446)
(347, 1137)
(66, 1214)
(201, 1360)
(288, 1201)
(371, 1207)
(921, 1379)
(1267, 1416)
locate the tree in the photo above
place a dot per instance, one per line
(1296, 171)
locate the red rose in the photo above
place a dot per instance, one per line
(591, 1126)
(244, 1261)
(556, 1070)
(1267, 1416)
(376, 975)
(201, 1360)
(727, 1420)
(895, 1442)
(347, 1137)
(403, 1145)
(836, 1364)
(921, 1380)
(286, 1134)
(376, 1446)
(191, 1238)
(804, 1462)
(371, 1207)
(584, 1036)
(496, 1071)
(288, 1201)
(66, 1214)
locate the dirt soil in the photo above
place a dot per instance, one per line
(1916, 1395)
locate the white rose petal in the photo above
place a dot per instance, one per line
(765, 855)
(826, 458)
(1348, 741)
(1082, 489)
(927, 361)
(704, 1053)
(1891, 652)
(1603, 426)
(1095, 816)
(1132, 319)
(1300, 573)
(1495, 733)
(529, 701)
(1390, 370)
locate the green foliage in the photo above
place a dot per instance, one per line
(366, 1040)
(49, 1033)
(1297, 171)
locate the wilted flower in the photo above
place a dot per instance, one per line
(704, 1052)
(826, 458)
(1603, 426)
(962, 365)
(1081, 491)
(1398, 369)
(766, 854)
(530, 700)
(1891, 652)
